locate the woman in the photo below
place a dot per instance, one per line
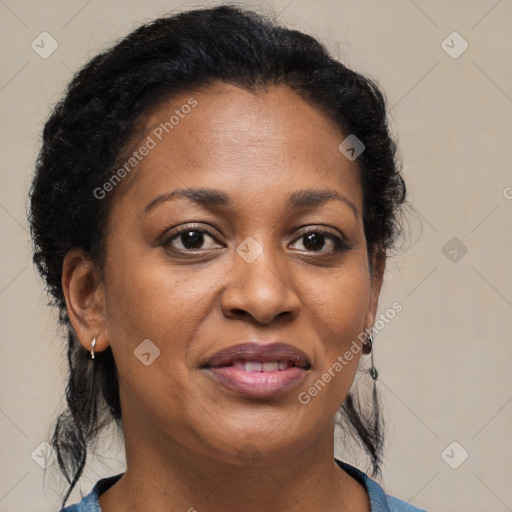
(212, 207)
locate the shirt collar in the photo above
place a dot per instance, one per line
(378, 501)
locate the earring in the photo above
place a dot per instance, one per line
(368, 349)
(368, 344)
(93, 344)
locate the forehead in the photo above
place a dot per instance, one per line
(268, 140)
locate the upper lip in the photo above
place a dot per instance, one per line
(253, 351)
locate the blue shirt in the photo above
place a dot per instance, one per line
(379, 500)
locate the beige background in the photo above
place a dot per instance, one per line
(444, 360)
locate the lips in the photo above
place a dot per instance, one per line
(253, 357)
(258, 370)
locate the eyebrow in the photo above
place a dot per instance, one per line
(211, 198)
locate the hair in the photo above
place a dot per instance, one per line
(100, 114)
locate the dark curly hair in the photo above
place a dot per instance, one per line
(102, 111)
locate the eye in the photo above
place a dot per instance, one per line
(190, 238)
(322, 241)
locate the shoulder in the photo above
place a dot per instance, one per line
(90, 502)
(379, 500)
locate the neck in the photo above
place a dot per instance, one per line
(165, 476)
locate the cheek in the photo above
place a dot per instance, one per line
(146, 291)
(339, 310)
(147, 298)
(342, 303)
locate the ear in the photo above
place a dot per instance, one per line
(377, 276)
(85, 299)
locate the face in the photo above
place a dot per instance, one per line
(277, 254)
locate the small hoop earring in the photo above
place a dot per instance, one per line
(93, 344)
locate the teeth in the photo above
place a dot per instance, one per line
(282, 365)
(258, 366)
(239, 364)
(253, 366)
(270, 366)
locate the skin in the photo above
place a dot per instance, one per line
(184, 432)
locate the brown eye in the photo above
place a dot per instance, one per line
(191, 239)
(314, 241)
(322, 242)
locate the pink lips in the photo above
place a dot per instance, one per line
(259, 370)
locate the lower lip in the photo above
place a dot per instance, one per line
(258, 384)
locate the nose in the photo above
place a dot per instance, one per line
(261, 291)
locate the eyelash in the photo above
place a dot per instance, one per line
(340, 245)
